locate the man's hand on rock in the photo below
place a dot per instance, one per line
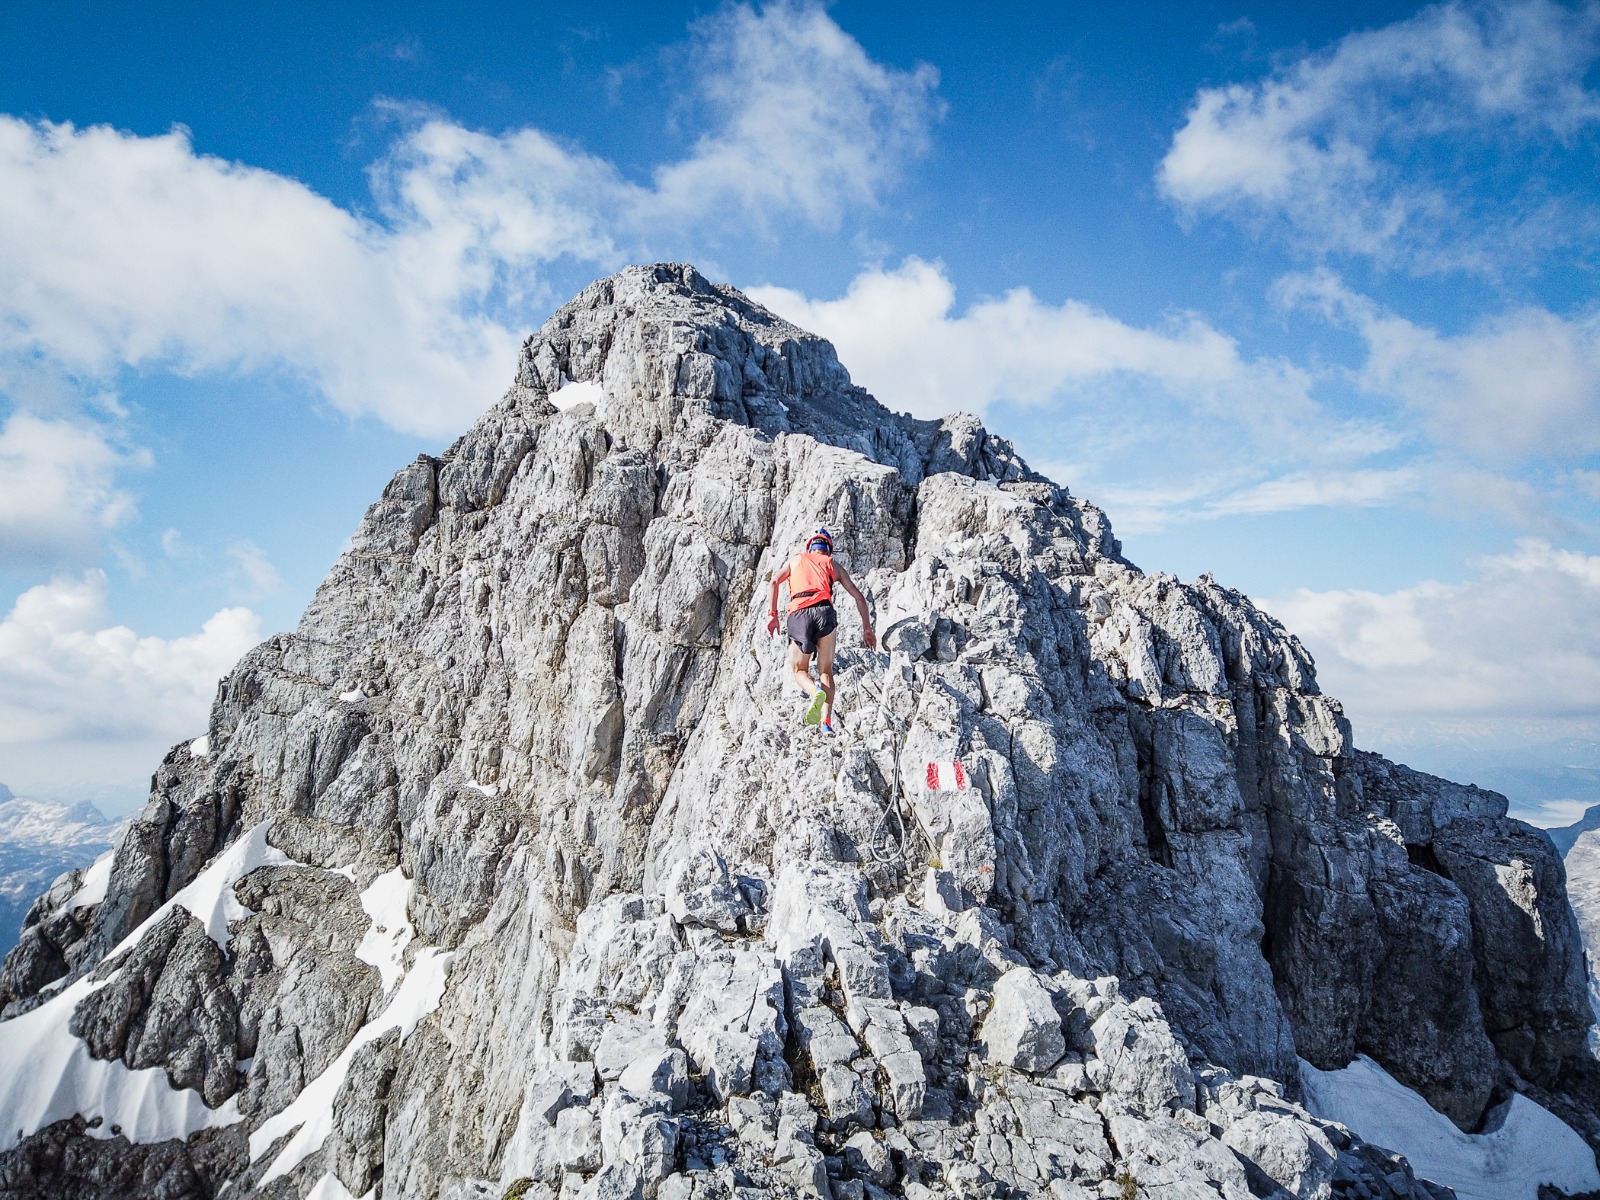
(772, 624)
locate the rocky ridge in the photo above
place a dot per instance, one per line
(512, 871)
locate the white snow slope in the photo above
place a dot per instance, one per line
(47, 1072)
(1531, 1146)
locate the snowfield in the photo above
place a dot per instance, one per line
(47, 1072)
(1531, 1146)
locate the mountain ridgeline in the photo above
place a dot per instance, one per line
(513, 870)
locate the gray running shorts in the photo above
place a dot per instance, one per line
(810, 625)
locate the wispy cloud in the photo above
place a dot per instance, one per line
(1307, 489)
(58, 491)
(802, 120)
(1359, 148)
(1521, 385)
(174, 546)
(254, 576)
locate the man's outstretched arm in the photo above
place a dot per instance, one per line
(772, 608)
(867, 634)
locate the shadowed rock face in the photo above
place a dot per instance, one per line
(566, 894)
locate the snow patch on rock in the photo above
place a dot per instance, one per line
(384, 945)
(312, 1110)
(210, 899)
(329, 1188)
(92, 889)
(570, 394)
(47, 1072)
(1532, 1146)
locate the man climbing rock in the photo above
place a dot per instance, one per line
(813, 625)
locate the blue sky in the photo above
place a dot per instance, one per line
(1304, 296)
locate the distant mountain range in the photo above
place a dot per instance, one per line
(38, 841)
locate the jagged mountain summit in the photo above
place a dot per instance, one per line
(513, 871)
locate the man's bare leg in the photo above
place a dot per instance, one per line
(825, 673)
(800, 670)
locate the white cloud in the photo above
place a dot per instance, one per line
(1521, 385)
(66, 675)
(1517, 641)
(121, 250)
(58, 493)
(1309, 489)
(1494, 680)
(896, 330)
(173, 545)
(1170, 422)
(805, 120)
(131, 251)
(256, 577)
(1344, 146)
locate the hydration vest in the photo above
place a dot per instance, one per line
(811, 579)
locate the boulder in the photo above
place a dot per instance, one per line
(1144, 1066)
(1023, 1029)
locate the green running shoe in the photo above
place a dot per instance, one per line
(814, 713)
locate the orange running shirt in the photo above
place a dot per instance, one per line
(811, 577)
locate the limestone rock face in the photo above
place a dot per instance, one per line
(514, 871)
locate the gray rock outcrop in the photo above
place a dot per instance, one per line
(513, 871)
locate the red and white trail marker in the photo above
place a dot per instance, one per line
(946, 776)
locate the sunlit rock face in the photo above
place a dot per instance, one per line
(514, 868)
